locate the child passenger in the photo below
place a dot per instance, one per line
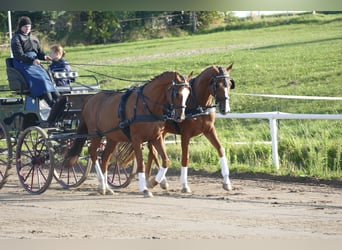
(59, 64)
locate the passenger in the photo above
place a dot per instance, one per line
(27, 53)
(59, 64)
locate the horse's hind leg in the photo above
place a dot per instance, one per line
(94, 145)
(106, 155)
(212, 137)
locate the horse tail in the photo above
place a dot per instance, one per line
(76, 148)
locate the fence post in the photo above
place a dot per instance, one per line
(273, 129)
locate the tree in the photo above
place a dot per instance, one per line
(207, 18)
(95, 27)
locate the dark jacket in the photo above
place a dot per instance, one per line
(26, 48)
(58, 66)
(20, 44)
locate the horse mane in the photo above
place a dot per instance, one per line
(205, 71)
(199, 82)
(160, 75)
(123, 90)
(212, 67)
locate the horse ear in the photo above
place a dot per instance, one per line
(230, 67)
(189, 76)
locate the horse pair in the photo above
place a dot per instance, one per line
(146, 113)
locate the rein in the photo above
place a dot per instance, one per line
(198, 110)
(144, 100)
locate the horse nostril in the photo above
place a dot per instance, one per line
(225, 111)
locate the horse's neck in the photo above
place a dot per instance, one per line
(202, 96)
(153, 94)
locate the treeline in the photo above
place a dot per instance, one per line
(101, 27)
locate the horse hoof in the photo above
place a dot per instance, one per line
(147, 194)
(151, 182)
(109, 191)
(101, 191)
(186, 190)
(164, 185)
(227, 186)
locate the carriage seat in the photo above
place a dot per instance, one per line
(63, 75)
(72, 75)
(16, 80)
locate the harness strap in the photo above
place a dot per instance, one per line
(100, 107)
(200, 110)
(124, 123)
(156, 117)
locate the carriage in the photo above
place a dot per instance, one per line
(36, 148)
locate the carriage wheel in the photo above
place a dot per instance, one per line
(120, 176)
(122, 166)
(34, 160)
(78, 173)
(5, 154)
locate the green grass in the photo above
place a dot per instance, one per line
(297, 56)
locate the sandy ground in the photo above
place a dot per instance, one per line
(259, 207)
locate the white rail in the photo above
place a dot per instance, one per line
(272, 117)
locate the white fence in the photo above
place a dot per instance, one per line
(273, 117)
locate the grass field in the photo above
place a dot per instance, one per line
(299, 55)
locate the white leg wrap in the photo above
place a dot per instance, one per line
(105, 177)
(142, 182)
(224, 169)
(184, 175)
(161, 174)
(226, 179)
(99, 174)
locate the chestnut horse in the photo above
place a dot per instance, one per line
(136, 115)
(213, 82)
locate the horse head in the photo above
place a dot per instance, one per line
(177, 95)
(220, 85)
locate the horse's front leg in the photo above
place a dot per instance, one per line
(160, 177)
(152, 157)
(141, 169)
(212, 137)
(185, 161)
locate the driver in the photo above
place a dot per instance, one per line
(27, 53)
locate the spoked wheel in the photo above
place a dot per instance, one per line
(34, 160)
(5, 154)
(122, 167)
(75, 175)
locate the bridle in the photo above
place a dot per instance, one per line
(214, 82)
(170, 109)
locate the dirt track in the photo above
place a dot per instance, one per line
(257, 208)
